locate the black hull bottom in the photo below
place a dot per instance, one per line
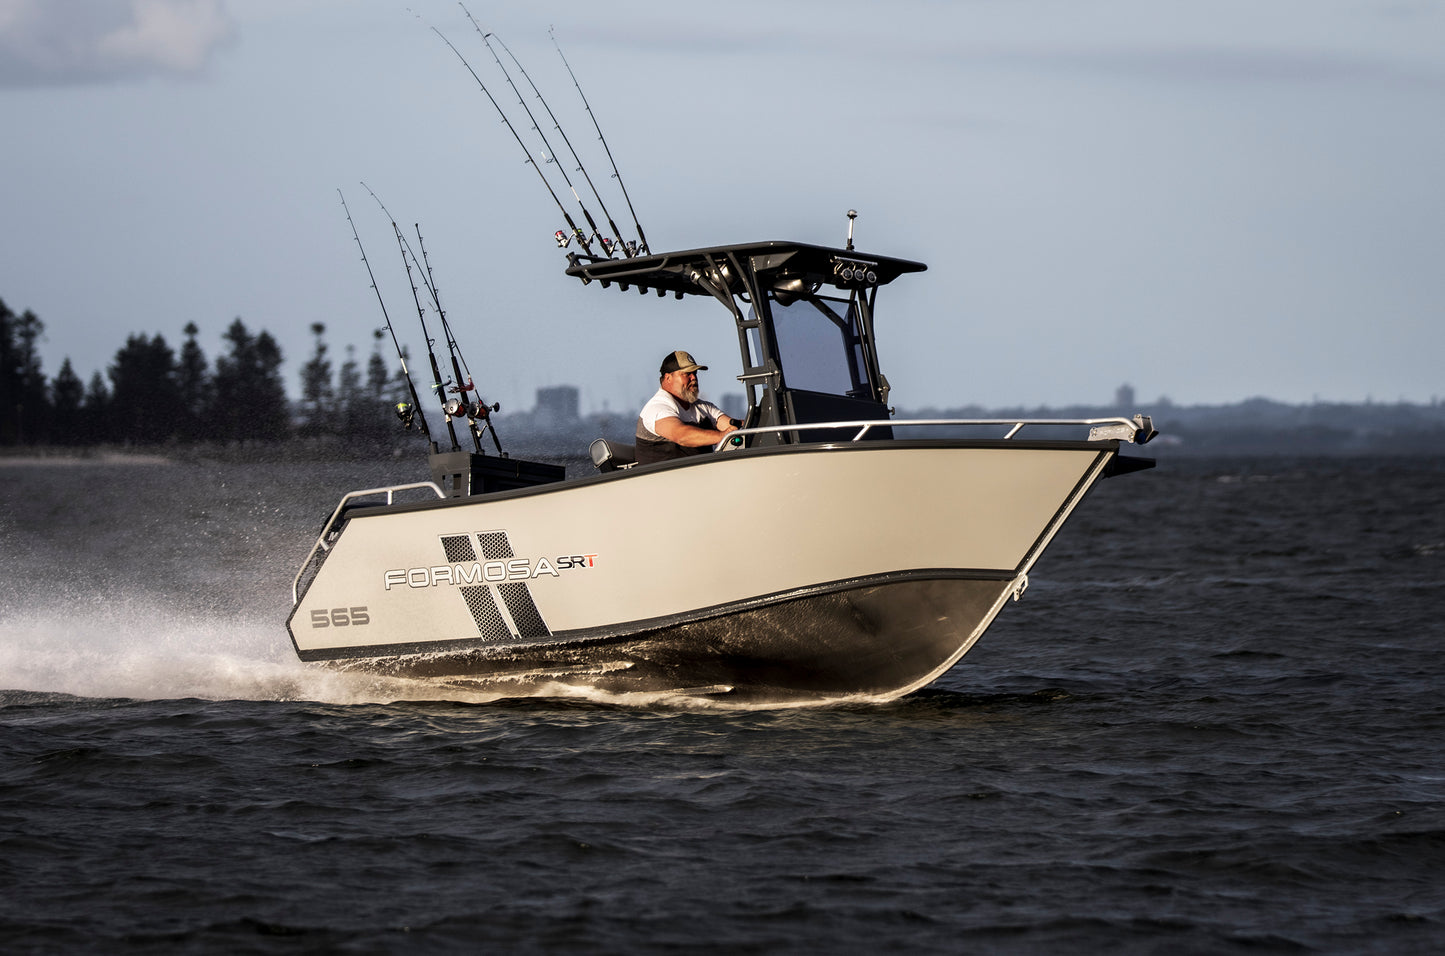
(878, 641)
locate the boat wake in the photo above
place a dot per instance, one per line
(148, 652)
(153, 653)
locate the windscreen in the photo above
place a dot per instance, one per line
(819, 346)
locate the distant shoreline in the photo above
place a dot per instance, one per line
(294, 451)
(80, 456)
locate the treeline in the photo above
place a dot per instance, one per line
(151, 394)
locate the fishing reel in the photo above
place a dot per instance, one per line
(406, 414)
(564, 239)
(475, 410)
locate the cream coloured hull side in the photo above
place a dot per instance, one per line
(822, 572)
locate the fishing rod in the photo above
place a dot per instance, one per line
(403, 411)
(453, 408)
(536, 127)
(473, 410)
(562, 238)
(437, 385)
(621, 245)
(616, 174)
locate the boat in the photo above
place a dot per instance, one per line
(858, 558)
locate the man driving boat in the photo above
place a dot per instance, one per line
(676, 423)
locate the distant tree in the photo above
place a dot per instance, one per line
(376, 415)
(193, 379)
(350, 401)
(9, 378)
(226, 411)
(248, 396)
(273, 417)
(145, 400)
(96, 409)
(378, 377)
(317, 395)
(67, 399)
(24, 393)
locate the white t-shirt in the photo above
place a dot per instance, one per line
(666, 405)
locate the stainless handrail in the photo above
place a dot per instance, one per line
(321, 544)
(1138, 429)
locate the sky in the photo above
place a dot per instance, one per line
(1208, 201)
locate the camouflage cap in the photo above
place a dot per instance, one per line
(680, 362)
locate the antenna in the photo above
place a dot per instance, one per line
(852, 214)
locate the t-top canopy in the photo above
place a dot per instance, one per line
(782, 266)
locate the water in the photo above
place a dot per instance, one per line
(1213, 723)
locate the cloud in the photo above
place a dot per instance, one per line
(48, 43)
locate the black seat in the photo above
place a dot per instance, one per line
(612, 455)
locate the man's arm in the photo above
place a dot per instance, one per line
(693, 436)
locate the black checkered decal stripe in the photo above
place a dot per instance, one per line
(523, 609)
(495, 546)
(459, 547)
(522, 618)
(484, 609)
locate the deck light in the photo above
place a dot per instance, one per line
(854, 270)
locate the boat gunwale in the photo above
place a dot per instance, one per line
(1110, 445)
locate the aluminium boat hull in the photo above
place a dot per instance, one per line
(786, 575)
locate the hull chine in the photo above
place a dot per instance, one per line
(870, 641)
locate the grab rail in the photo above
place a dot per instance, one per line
(1139, 429)
(321, 543)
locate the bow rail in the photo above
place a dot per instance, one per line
(1138, 430)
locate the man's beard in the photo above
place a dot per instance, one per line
(689, 394)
